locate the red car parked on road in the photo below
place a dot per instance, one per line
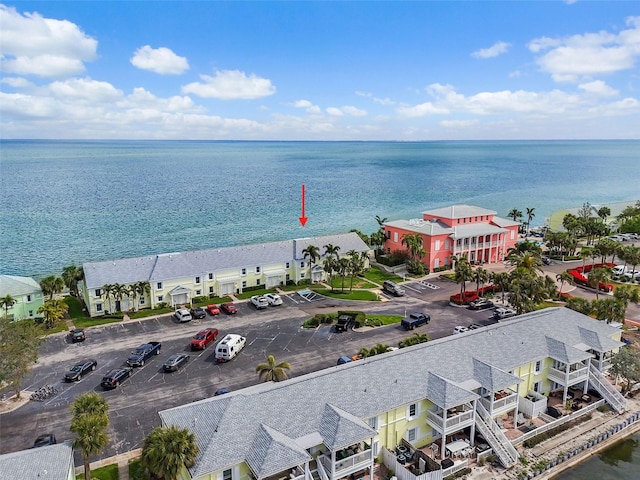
(229, 308)
(203, 338)
(213, 309)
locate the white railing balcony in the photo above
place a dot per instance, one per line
(506, 401)
(454, 421)
(347, 465)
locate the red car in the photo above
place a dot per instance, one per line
(213, 309)
(229, 308)
(203, 338)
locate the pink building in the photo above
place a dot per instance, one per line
(456, 230)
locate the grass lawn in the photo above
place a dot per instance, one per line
(358, 282)
(87, 322)
(379, 276)
(251, 293)
(354, 295)
(386, 319)
(135, 470)
(108, 472)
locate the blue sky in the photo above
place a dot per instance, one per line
(432, 70)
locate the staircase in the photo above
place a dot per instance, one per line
(610, 394)
(494, 436)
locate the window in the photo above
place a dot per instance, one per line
(395, 237)
(197, 280)
(437, 244)
(141, 301)
(301, 274)
(159, 298)
(301, 264)
(538, 366)
(513, 234)
(159, 285)
(211, 276)
(287, 265)
(30, 313)
(210, 289)
(376, 448)
(373, 422)
(98, 292)
(446, 244)
(227, 474)
(536, 387)
(258, 282)
(288, 277)
(98, 307)
(244, 271)
(28, 298)
(411, 435)
(257, 269)
(244, 284)
(198, 293)
(413, 408)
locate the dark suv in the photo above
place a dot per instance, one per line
(415, 320)
(77, 335)
(345, 322)
(198, 312)
(113, 379)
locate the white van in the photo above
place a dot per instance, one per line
(619, 270)
(183, 315)
(229, 347)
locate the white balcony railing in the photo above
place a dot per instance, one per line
(503, 403)
(559, 375)
(453, 422)
(352, 463)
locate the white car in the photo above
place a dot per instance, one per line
(273, 299)
(460, 329)
(183, 315)
(259, 301)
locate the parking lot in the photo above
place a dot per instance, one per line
(276, 330)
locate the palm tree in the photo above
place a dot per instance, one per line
(603, 213)
(89, 423)
(53, 311)
(502, 280)
(119, 291)
(585, 252)
(132, 292)
(343, 266)
(272, 371)
(463, 274)
(51, 285)
(143, 288)
(480, 275)
(356, 264)
(313, 253)
(515, 214)
(7, 302)
(167, 450)
(564, 277)
(381, 221)
(72, 275)
(530, 215)
(331, 257)
(107, 290)
(598, 276)
(525, 261)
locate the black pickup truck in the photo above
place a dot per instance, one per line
(345, 322)
(143, 353)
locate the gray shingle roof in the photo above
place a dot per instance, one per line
(445, 393)
(297, 407)
(271, 450)
(565, 353)
(16, 286)
(51, 462)
(340, 429)
(170, 266)
(492, 378)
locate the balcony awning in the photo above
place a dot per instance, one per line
(274, 273)
(179, 290)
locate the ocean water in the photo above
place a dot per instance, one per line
(621, 461)
(64, 202)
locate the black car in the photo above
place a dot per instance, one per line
(198, 312)
(79, 370)
(175, 361)
(115, 377)
(481, 304)
(345, 322)
(44, 440)
(221, 391)
(415, 319)
(77, 335)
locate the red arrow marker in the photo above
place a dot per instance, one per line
(302, 219)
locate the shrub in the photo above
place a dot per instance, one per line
(199, 300)
(393, 259)
(533, 441)
(312, 322)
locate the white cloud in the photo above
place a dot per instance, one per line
(515, 74)
(159, 60)
(458, 123)
(85, 89)
(230, 85)
(346, 110)
(572, 58)
(307, 105)
(33, 45)
(334, 111)
(494, 50)
(16, 82)
(598, 87)
(421, 110)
